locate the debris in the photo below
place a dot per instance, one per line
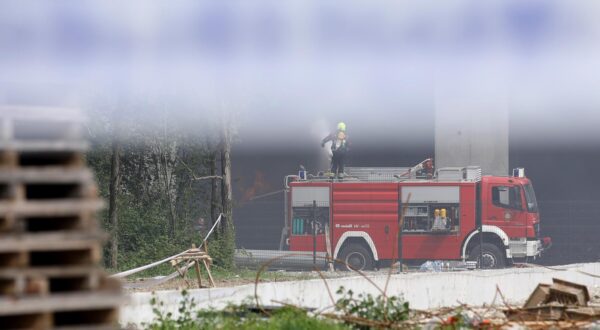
(538, 296)
(196, 257)
(452, 265)
(432, 266)
(569, 293)
(559, 301)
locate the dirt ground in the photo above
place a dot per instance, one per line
(229, 280)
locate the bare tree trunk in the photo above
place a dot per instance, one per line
(167, 186)
(226, 192)
(115, 178)
(214, 188)
(227, 236)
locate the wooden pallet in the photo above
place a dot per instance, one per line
(50, 242)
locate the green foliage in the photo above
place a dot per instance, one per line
(159, 202)
(234, 317)
(391, 309)
(222, 248)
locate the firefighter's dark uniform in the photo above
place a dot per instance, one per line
(339, 147)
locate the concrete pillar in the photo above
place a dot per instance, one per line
(471, 124)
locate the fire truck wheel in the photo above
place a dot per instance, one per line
(356, 257)
(492, 256)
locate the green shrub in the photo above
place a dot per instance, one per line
(235, 317)
(391, 309)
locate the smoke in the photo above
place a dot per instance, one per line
(280, 67)
(258, 186)
(319, 130)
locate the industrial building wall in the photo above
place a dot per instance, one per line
(471, 127)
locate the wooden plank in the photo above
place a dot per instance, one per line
(540, 313)
(47, 175)
(210, 278)
(53, 241)
(538, 296)
(51, 271)
(60, 302)
(20, 112)
(8, 159)
(44, 146)
(157, 281)
(198, 275)
(51, 208)
(569, 289)
(584, 313)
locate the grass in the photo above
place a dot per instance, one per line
(250, 275)
(222, 277)
(236, 318)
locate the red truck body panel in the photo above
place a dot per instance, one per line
(372, 211)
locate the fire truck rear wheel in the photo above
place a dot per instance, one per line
(355, 257)
(492, 256)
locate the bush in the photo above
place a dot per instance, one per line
(234, 317)
(385, 309)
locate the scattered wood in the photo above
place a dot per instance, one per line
(559, 301)
(198, 258)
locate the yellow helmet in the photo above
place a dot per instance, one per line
(341, 126)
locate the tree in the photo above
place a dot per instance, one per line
(215, 208)
(227, 231)
(115, 178)
(226, 192)
(145, 167)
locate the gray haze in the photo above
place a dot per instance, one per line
(288, 71)
(295, 69)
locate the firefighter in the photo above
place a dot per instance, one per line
(339, 147)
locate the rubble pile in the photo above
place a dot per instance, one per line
(559, 301)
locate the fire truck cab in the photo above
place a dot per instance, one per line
(378, 215)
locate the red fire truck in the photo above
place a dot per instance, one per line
(450, 214)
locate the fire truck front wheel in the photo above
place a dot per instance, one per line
(491, 255)
(355, 257)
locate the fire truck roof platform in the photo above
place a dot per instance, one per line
(403, 174)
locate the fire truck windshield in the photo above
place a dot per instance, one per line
(530, 198)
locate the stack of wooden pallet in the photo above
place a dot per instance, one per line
(50, 242)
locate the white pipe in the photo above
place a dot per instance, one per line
(211, 229)
(141, 268)
(154, 264)
(151, 283)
